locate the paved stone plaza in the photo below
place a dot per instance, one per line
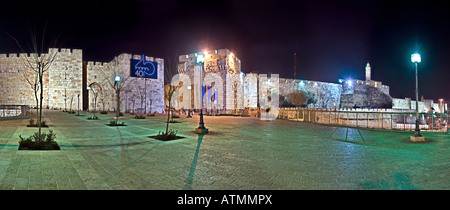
(239, 153)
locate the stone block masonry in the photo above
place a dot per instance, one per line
(67, 78)
(62, 81)
(325, 94)
(132, 96)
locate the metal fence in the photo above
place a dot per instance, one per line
(379, 119)
(8, 111)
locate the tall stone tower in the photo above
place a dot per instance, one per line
(220, 62)
(368, 72)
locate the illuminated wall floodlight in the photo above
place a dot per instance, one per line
(349, 82)
(415, 58)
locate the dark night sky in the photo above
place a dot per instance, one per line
(332, 39)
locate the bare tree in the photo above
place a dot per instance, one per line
(34, 84)
(102, 100)
(38, 62)
(142, 96)
(104, 96)
(110, 72)
(95, 88)
(152, 97)
(170, 89)
(297, 98)
(71, 100)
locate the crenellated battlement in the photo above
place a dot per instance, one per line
(66, 67)
(66, 78)
(122, 57)
(61, 52)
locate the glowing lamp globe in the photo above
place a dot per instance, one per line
(415, 58)
(200, 58)
(117, 78)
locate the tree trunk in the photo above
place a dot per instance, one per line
(37, 103)
(151, 103)
(95, 104)
(168, 115)
(40, 101)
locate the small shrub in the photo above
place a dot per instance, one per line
(32, 124)
(47, 142)
(93, 118)
(113, 123)
(167, 136)
(139, 116)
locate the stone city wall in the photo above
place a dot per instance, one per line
(132, 96)
(326, 95)
(425, 106)
(62, 81)
(360, 94)
(220, 62)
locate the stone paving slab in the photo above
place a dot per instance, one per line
(239, 153)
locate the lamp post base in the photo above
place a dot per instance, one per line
(201, 130)
(415, 138)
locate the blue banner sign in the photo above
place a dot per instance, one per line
(143, 69)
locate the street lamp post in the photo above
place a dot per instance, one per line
(201, 126)
(117, 79)
(87, 89)
(189, 111)
(78, 105)
(416, 59)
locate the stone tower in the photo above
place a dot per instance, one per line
(368, 72)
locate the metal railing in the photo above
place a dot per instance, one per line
(377, 118)
(9, 111)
